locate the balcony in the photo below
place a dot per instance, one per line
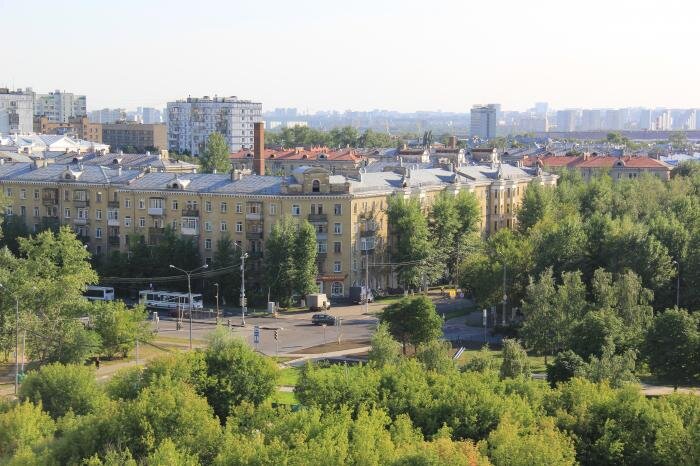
(367, 244)
(155, 211)
(190, 231)
(255, 254)
(190, 212)
(113, 222)
(113, 241)
(253, 235)
(80, 221)
(318, 218)
(253, 216)
(113, 204)
(49, 200)
(81, 202)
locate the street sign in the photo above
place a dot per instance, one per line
(484, 317)
(256, 334)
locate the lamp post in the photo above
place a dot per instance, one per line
(217, 303)
(678, 283)
(189, 290)
(244, 256)
(16, 342)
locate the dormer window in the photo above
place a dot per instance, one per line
(321, 156)
(316, 186)
(249, 155)
(179, 184)
(68, 176)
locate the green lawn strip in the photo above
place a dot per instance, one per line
(288, 376)
(286, 398)
(536, 362)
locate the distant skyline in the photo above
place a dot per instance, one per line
(396, 55)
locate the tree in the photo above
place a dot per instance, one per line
(236, 374)
(435, 356)
(167, 454)
(538, 203)
(62, 388)
(515, 361)
(384, 349)
(227, 255)
(566, 365)
(214, 158)
(481, 362)
(411, 246)
(594, 331)
(413, 320)
(23, 427)
(119, 327)
(544, 329)
(672, 347)
(616, 369)
(304, 257)
(511, 444)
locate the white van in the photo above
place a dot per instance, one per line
(99, 293)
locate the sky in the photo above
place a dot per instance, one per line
(358, 54)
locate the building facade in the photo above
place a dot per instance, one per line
(79, 128)
(192, 120)
(483, 121)
(16, 111)
(135, 136)
(60, 106)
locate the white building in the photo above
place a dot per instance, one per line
(566, 120)
(107, 115)
(151, 115)
(191, 121)
(60, 106)
(483, 121)
(16, 111)
(663, 122)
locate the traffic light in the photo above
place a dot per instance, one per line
(244, 301)
(277, 334)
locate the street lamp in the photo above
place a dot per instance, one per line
(217, 303)
(244, 256)
(189, 290)
(678, 283)
(16, 341)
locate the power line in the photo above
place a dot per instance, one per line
(171, 278)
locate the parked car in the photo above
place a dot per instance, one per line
(361, 294)
(318, 302)
(320, 319)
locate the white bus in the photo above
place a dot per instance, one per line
(99, 293)
(170, 301)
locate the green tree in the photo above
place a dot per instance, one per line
(597, 328)
(24, 427)
(62, 388)
(672, 347)
(167, 454)
(227, 255)
(235, 373)
(616, 369)
(566, 365)
(214, 158)
(413, 320)
(545, 328)
(384, 349)
(304, 257)
(511, 444)
(515, 361)
(538, 203)
(411, 246)
(435, 356)
(482, 361)
(119, 327)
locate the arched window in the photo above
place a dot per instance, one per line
(316, 186)
(337, 289)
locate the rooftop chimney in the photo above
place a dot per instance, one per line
(258, 148)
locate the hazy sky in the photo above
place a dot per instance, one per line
(356, 54)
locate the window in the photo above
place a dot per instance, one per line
(224, 226)
(127, 203)
(22, 211)
(112, 215)
(320, 227)
(273, 209)
(207, 244)
(36, 194)
(127, 221)
(36, 211)
(142, 222)
(66, 212)
(239, 227)
(207, 226)
(239, 208)
(337, 228)
(142, 204)
(322, 247)
(338, 209)
(98, 197)
(155, 203)
(98, 232)
(316, 209)
(22, 193)
(175, 205)
(337, 267)
(8, 210)
(207, 206)
(83, 214)
(253, 209)
(224, 207)
(174, 224)
(337, 289)
(98, 214)
(296, 210)
(336, 247)
(66, 194)
(316, 186)
(207, 260)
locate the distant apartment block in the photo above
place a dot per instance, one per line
(192, 120)
(483, 121)
(60, 106)
(135, 136)
(78, 128)
(150, 115)
(566, 120)
(16, 111)
(107, 115)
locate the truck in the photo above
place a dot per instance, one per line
(360, 295)
(318, 302)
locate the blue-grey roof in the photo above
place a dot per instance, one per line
(85, 174)
(10, 170)
(209, 183)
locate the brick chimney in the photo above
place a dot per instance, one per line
(258, 148)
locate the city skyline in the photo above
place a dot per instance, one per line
(317, 56)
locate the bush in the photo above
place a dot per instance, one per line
(23, 427)
(566, 365)
(62, 388)
(515, 362)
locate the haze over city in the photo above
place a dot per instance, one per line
(316, 55)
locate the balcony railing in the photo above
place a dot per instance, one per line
(189, 231)
(113, 241)
(318, 217)
(155, 211)
(80, 220)
(113, 222)
(113, 204)
(253, 235)
(250, 216)
(190, 212)
(49, 200)
(81, 202)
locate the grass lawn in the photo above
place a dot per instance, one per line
(536, 362)
(286, 398)
(288, 376)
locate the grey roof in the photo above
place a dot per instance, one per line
(87, 174)
(126, 161)
(209, 183)
(426, 177)
(490, 172)
(10, 170)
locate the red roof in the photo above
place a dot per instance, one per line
(315, 153)
(596, 161)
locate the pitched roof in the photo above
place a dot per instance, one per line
(314, 154)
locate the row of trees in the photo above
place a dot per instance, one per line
(212, 407)
(44, 283)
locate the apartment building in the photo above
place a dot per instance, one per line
(135, 136)
(16, 111)
(192, 120)
(285, 161)
(591, 165)
(79, 128)
(60, 106)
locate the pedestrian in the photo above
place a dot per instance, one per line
(97, 362)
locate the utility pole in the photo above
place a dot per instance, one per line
(189, 290)
(217, 303)
(243, 301)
